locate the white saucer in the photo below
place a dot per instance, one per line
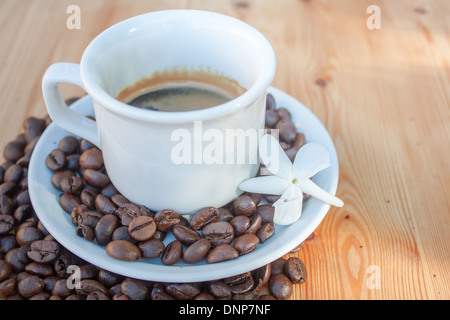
(45, 200)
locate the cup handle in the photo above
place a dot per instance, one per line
(58, 110)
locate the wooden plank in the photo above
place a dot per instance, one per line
(383, 95)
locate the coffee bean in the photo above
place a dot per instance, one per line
(22, 254)
(23, 212)
(244, 205)
(284, 113)
(205, 296)
(220, 290)
(109, 191)
(121, 233)
(61, 289)
(295, 269)
(240, 283)
(12, 258)
(58, 177)
(172, 253)
(23, 198)
(183, 291)
(86, 145)
(13, 151)
(97, 295)
(27, 235)
(91, 159)
(87, 286)
(142, 228)
(158, 293)
(88, 197)
(85, 231)
(104, 205)
(245, 243)
(166, 219)
(96, 178)
(287, 130)
(204, 216)
(270, 102)
(218, 232)
(30, 286)
(280, 286)
(257, 197)
(72, 162)
(7, 287)
(277, 266)
(109, 278)
(134, 289)
(221, 253)
(251, 295)
(127, 212)
(255, 223)
(123, 250)
(88, 218)
(69, 201)
(266, 211)
(56, 160)
(265, 232)
(184, 234)
(196, 251)
(120, 296)
(152, 248)
(44, 251)
(240, 224)
(39, 269)
(8, 188)
(71, 184)
(105, 228)
(5, 270)
(272, 118)
(14, 173)
(87, 271)
(6, 205)
(119, 199)
(225, 214)
(68, 144)
(262, 273)
(7, 223)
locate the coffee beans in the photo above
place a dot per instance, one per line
(280, 286)
(33, 265)
(142, 228)
(123, 250)
(44, 251)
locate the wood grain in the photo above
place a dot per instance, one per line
(383, 95)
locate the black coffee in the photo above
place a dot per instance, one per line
(180, 90)
(180, 98)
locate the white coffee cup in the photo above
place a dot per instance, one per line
(137, 144)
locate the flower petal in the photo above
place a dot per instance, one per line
(288, 212)
(310, 159)
(288, 209)
(265, 185)
(309, 187)
(274, 157)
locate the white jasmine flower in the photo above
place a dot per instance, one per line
(290, 180)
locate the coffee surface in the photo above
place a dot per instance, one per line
(178, 97)
(181, 90)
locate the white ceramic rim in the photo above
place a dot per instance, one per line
(58, 222)
(257, 89)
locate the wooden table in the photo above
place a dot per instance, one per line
(383, 95)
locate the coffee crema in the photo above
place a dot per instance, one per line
(180, 91)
